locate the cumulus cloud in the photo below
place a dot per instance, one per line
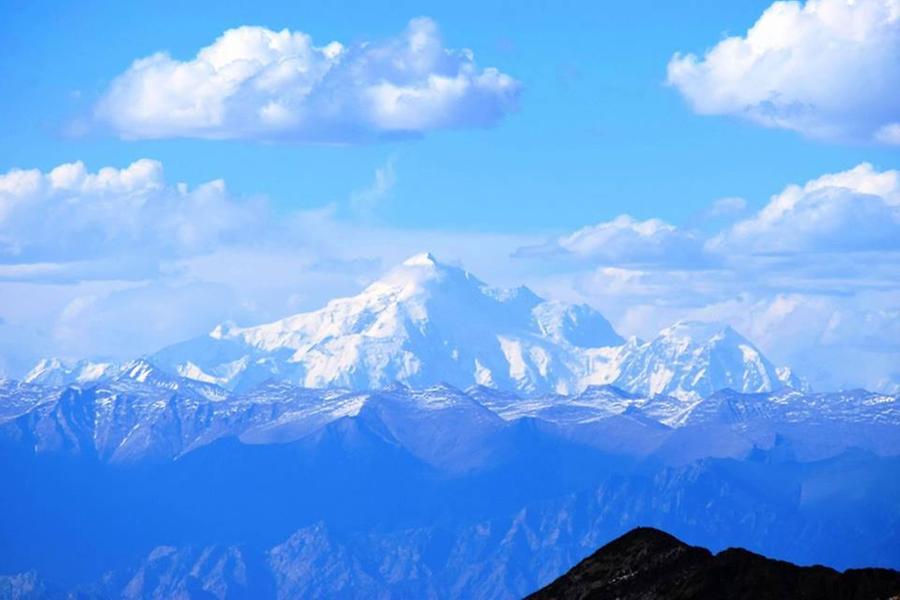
(624, 241)
(256, 83)
(824, 68)
(853, 211)
(842, 215)
(70, 214)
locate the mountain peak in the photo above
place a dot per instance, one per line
(57, 372)
(647, 563)
(422, 271)
(422, 259)
(698, 331)
(139, 369)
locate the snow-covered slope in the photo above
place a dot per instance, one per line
(426, 323)
(143, 413)
(52, 372)
(55, 372)
(689, 360)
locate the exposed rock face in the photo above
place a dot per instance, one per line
(649, 564)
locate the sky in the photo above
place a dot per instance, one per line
(166, 166)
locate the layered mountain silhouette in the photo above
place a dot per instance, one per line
(432, 437)
(152, 485)
(648, 564)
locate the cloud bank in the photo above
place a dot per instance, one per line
(825, 68)
(813, 276)
(853, 211)
(120, 261)
(256, 83)
(70, 214)
(625, 241)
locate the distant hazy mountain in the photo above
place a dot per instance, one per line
(427, 323)
(690, 360)
(143, 412)
(647, 564)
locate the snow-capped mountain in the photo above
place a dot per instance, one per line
(143, 412)
(427, 322)
(689, 360)
(55, 372)
(424, 323)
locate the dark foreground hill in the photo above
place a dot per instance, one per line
(648, 564)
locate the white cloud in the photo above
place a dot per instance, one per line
(127, 322)
(813, 277)
(70, 214)
(825, 68)
(257, 83)
(365, 201)
(625, 241)
(856, 210)
(726, 207)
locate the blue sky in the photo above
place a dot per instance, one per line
(602, 127)
(598, 132)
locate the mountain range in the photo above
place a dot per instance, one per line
(431, 437)
(144, 412)
(150, 485)
(427, 323)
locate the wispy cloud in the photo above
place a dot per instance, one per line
(365, 201)
(625, 241)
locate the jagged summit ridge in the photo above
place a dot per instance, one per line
(427, 322)
(693, 359)
(424, 322)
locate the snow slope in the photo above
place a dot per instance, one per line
(426, 323)
(689, 360)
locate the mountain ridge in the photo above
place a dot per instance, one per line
(427, 322)
(440, 492)
(145, 412)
